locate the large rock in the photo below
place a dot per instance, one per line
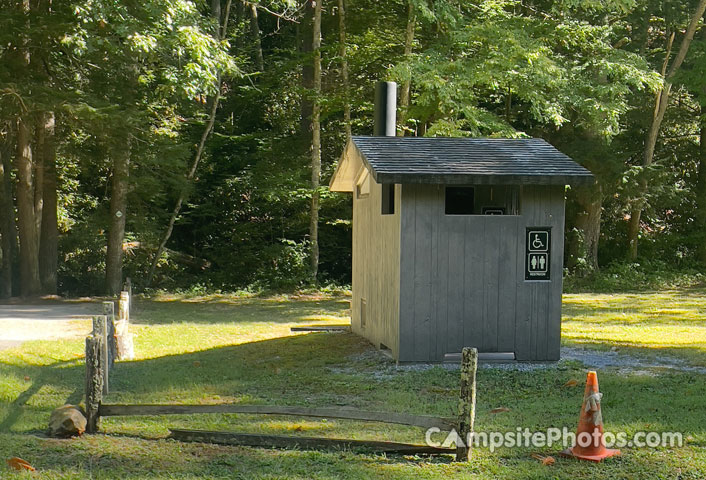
(67, 421)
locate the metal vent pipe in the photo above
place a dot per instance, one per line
(385, 109)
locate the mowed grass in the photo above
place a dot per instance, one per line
(221, 349)
(670, 322)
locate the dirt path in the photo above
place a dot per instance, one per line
(20, 323)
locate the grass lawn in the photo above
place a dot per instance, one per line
(234, 349)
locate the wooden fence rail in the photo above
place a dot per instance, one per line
(423, 421)
(99, 360)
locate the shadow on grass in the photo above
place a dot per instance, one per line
(245, 310)
(63, 375)
(342, 369)
(133, 458)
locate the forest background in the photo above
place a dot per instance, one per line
(188, 144)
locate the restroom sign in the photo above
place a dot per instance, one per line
(537, 253)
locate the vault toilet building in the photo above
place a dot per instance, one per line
(457, 242)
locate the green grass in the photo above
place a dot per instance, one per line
(670, 322)
(240, 349)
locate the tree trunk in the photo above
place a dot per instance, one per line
(29, 259)
(255, 34)
(8, 233)
(118, 214)
(26, 219)
(49, 233)
(306, 30)
(407, 84)
(38, 168)
(342, 52)
(589, 222)
(661, 103)
(216, 13)
(701, 194)
(316, 144)
(634, 232)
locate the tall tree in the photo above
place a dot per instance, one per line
(255, 38)
(306, 31)
(661, 103)
(316, 143)
(343, 53)
(26, 218)
(49, 233)
(26, 221)
(8, 233)
(120, 156)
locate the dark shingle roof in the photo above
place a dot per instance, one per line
(468, 161)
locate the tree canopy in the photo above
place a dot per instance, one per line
(189, 143)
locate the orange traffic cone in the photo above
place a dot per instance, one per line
(590, 444)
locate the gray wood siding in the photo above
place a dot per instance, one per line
(376, 268)
(462, 278)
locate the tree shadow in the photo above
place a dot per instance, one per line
(326, 369)
(248, 310)
(131, 457)
(59, 375)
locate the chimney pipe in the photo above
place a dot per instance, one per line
(385, 109)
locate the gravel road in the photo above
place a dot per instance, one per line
(20, 323)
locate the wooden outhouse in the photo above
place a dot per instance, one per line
(457, 242)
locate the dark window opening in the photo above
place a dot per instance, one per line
(483, 200)
(460, 200)
(388, 198)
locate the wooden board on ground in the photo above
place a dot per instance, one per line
(322, 328)
(282, 441)
(338, 413)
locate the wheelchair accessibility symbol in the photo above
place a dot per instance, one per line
(538, 241)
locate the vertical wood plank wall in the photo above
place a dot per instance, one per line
(462, 278)
(376, 268)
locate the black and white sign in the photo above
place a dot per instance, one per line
(537, 253)
(493, 210)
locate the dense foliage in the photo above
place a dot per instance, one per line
(120, 97)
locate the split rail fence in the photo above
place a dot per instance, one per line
(109, 341)
(102, 349)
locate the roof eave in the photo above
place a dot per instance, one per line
(343, 178)
(477, 179)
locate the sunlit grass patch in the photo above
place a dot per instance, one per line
(671, 320)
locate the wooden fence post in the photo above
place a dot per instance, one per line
(124, 306)
(128, 289)
(109, 312)
(123, 338)
(100, 331)
(469, 365)
(94, 383)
